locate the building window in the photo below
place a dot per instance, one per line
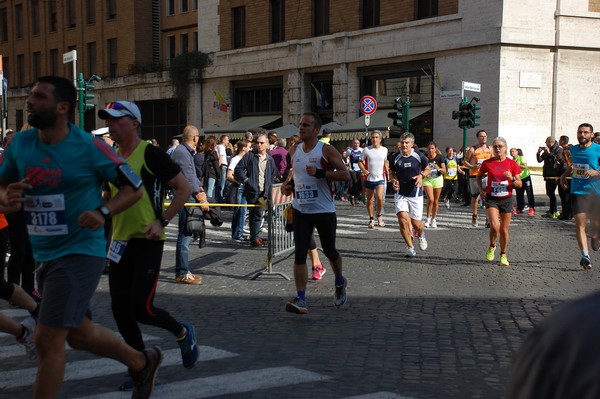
(404, 80)
(6, 68)
(321, 17)
(162, 118)
(52, 16)
(322, 94)
(171, 48)
(19, 20)
(37, 64)
(257, 98)
(3, 25)
(183, 43)
(90, 11)
(195, 41)
(91, 58)
(194, 5)
(277, 21)
(370, 13)
(427, 9)
(170, 7)
(239, 27)
(20, 70)
(35, 17)
(54, 62)
(112, 9)
(184, 6)
(112, 58)
(71, 14)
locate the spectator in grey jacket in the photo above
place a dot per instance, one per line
(183, 156)
(257, 171)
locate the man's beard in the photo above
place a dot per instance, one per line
(584, 141)
(42, 121)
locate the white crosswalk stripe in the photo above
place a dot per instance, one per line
(84, 369)
(227, 384)
(223, 384)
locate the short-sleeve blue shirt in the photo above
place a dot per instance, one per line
(585, 159)
(67, 180)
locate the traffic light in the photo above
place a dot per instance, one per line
(88, 95)
(467, 113)
(398, 116)
(473, 115)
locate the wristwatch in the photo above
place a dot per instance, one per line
(164, 221)
(104, 211)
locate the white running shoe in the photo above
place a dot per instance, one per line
(422, 242)
(447, 203)
(433, 224)
(410, 252)
(27, 340)
(427, 222)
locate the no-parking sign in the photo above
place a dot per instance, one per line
(368, 105)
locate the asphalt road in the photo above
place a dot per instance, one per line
(442, 325)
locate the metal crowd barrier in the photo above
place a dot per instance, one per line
(279, 241)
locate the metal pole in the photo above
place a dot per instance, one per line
(81, 102)
(407, 115)
(4, 105)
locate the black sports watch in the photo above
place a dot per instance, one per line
(104, 211)
(164, 221)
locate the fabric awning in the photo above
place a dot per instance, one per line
(285, 131)
(237, 129)
(379, 121)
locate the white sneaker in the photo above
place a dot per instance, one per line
(422, 243)
(427, 222)
(433, 224)
(410, 252)
(27, 339)
(447, 203)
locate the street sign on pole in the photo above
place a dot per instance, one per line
(469, 86)
(71, 56)
(368, 105)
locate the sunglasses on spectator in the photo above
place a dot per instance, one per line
(120, 107)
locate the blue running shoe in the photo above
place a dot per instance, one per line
(586, 262)
(297, 305)
(340, 297)
(189, 349)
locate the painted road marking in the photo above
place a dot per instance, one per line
(379, 395)
(14, 350)
(83, 369)
(227, 384)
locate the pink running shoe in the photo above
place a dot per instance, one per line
(317, 272)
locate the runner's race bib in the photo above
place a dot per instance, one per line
(116, 250)
(45, 215)
(500, 188)
(579, 170)
(306, 193)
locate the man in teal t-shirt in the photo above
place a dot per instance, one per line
(585, 190)
(56, 171)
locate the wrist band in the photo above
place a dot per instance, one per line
(320, 173)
